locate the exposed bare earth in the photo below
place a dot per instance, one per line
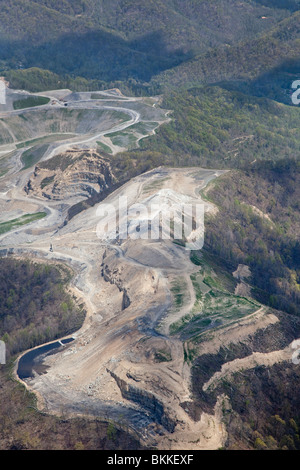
(114, 368)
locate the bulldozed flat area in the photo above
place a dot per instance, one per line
(150, 309)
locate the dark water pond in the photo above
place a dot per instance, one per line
(32, 361)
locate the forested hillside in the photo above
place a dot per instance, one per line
(265, 66)
(35, 306)
(170, 43)
(258, 224)
(215, 128)
(224, 70)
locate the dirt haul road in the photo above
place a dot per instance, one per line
(114, 367)
(111, 368)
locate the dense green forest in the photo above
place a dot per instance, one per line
(216, 128)
(151, 45)
(35, 79)
(258, 225)
(224, 69)
(266, 408)
(258, 222)
(265, 66)
(23, 427)
(263, 408)
(35, 306)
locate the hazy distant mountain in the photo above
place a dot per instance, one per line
(176, 41)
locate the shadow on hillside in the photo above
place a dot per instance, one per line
(292, 5)
(98, 55)
(276, 84)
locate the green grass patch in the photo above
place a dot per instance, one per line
(214, 306)
(178, 290)
(144, 127)
(199, 288)
(33, 156)
(30, 102)
(104, 147)
(196, 258)
(213, 282)
(123, 139)
(120, 115)
(97, 96)
(19, 222)
(43, 140)
(179, 325)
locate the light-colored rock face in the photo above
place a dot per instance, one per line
(74, 174)
(120, 363)
(126, 363)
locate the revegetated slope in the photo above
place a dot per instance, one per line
(150, 305)
(217, 128)
(59, 121)
(258, 224)
(191, 341)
